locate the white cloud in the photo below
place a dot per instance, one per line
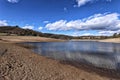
(109, 0)
(59, 25)
(65, 9)
(28, 27)
(3, 23)
(102, 22)
(45, 21)
(95, 22)
(83, 2)
(87, 34)
(40, 28)
(108, 32)
(13, 1)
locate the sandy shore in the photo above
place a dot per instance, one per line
(113, 40)
(16, 39)
(19, 63)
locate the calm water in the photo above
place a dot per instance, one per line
(104, 55)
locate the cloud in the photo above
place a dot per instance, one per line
(13, 1)
(108, 32)
(101, 22)
(40, 28)
(87, 34)
(58, 25)
(65, 9)
(28, 27)
(83, 2)
(95, 22)
(45, 21)
(3, 23)
(109, 0)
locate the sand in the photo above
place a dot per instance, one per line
(113, 40)
(16, 39)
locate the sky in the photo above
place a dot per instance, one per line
(69, 17)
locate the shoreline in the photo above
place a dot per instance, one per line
(111, 40)
(20, 39)
(20, 63)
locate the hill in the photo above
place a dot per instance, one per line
(16, 30)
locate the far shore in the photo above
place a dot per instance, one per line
(112, 40)
(18, 39)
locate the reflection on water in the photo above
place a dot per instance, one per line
(104, 55)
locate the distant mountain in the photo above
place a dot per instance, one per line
(10, 30)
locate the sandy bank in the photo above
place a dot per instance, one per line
(18, 63)
(15, 39)
(113, 40)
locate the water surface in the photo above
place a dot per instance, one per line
(99, 54)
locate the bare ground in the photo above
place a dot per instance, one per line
(13, 39)
(113, 40)
(16, 39)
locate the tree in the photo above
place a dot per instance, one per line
(16, 26)
(115, 35)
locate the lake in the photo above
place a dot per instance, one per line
(98, 54)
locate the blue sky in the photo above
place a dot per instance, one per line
(69, 17)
